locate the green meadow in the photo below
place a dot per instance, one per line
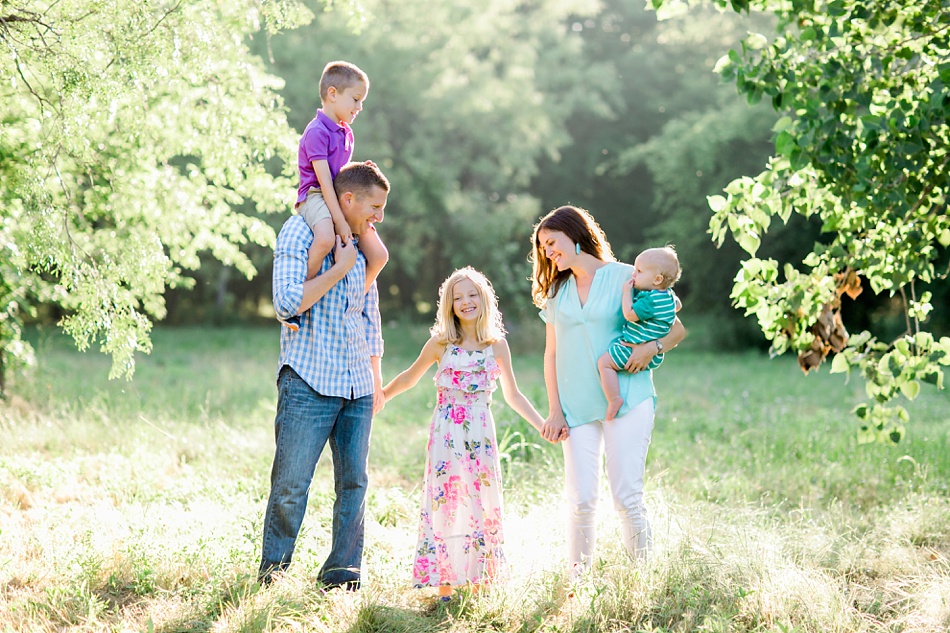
(137, 506)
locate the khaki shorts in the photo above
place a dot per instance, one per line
(314, 208)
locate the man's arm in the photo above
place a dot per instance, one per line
(293, 293)
(374, 342)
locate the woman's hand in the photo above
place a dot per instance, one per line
(640, 356)
(555, 428)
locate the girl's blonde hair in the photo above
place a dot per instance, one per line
(488, 326)
(582, 229)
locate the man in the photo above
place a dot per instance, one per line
(329, 382)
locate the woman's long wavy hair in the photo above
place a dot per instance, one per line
(488, 327)
(581, 228)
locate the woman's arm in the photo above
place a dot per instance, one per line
(642, 354)
(555, 426)
(431, 352)
(509, 387)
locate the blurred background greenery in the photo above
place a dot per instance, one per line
(487, 117)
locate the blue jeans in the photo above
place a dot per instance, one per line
(305, 422)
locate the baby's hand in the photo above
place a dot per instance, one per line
(628, 285)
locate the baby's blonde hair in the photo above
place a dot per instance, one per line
(667, 264)
(488, 326)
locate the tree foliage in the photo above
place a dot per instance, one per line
(464, 100)
(863, 147)
(129, 133)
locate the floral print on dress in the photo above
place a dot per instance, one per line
(460, 534)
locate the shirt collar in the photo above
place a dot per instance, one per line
(330, 124)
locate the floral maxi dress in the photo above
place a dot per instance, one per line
(460, 534)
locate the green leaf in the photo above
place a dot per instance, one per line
(910, 389)
(785, 144)
(749, 241)
(782, 124)
(840, 364)
(716, 203)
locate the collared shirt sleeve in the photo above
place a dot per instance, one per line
(290, 267)
(315, 143)
(373, 322)
(549, 311)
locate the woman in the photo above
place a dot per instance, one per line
(578, 285)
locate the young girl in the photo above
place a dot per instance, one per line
(460, 533)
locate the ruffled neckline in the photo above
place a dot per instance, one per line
(467, 370)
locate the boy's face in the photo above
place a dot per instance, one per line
(343, 105)
(646, 274)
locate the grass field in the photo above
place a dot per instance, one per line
(137, 506)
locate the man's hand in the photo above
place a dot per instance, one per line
(379, 401)
(344, 253)
(343, 231)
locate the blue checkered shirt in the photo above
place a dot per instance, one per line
(331, 351)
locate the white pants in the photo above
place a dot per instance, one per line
(627, 440)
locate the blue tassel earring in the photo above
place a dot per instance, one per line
(577, 248)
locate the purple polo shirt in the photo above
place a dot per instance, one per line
(323, 139)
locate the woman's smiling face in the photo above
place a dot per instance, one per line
(557, 247)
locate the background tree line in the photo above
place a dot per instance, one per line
(487, 117)
(145, 172)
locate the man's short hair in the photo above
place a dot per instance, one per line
(359, 178)
(341, 75)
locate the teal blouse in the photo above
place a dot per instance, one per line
(583, 334)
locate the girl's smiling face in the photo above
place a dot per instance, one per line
(466, 303)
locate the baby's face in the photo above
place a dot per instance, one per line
(645, 273)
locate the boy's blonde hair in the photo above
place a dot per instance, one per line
(667, 264)
(488, 326)
(341, 75)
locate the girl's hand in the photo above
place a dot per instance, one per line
(555, 428)
(379, 401)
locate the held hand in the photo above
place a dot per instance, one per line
(343, 231)
(379, 401)
(554, 429)
(345, 254)
(640, 356)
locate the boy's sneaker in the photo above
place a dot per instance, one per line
(293, 323)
